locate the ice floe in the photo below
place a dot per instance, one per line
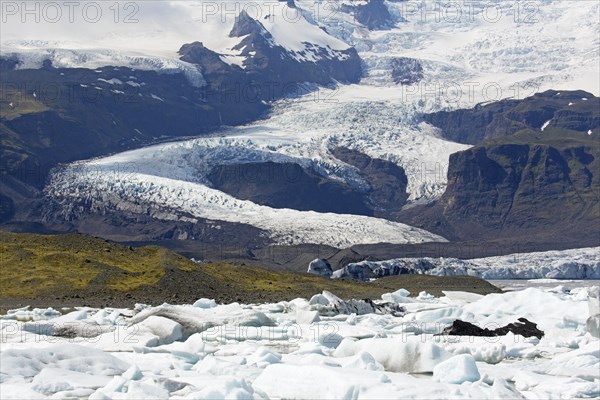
(324, 348)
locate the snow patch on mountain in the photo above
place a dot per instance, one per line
(159, 30)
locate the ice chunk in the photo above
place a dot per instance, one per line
(263, 357)
(307, 317)
(195, 320)
(396, 354)
(133, 374)
(165, 329)
(138, 390)
(593, 325)
(331, 339)
(457, 369)
(320, 266)
(205, 303)
(52, 380)
(481, 350)
(363, 360)
(458, 297)
(72, 357)
(230, 388)
(399, 296)
(317, 382)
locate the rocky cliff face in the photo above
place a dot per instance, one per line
(387, 181)
(533, 175)
(548, 191)
(290, 185)
(573, 110)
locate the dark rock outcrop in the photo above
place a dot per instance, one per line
(287, 185)
(387, 181)
(211, 62)
(533, 185)
(373, 14)
(7, 208)
(8, 63)
(522, 327)
(519, 191)
(564, 110)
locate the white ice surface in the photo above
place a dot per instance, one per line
(280, 356)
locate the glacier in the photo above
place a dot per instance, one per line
(465, 61)
(565, 264)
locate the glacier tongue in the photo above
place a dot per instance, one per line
(565, 264)
(174, 199)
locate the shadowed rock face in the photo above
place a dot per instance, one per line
(7, 208)
(524, 185)
(374, 14)
(387, 181)
(565, 110)
(287, 185)
(523, 327)
(7, 64)
(520, 190)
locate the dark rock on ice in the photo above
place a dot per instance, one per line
(523, 327)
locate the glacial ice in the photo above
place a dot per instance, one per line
(290, 350)
(567, 264)
(457, 369)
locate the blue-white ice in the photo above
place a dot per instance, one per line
(298, 350)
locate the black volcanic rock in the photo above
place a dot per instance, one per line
(373, 15)
(522, 327)
(406, 71)
(564, 109)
